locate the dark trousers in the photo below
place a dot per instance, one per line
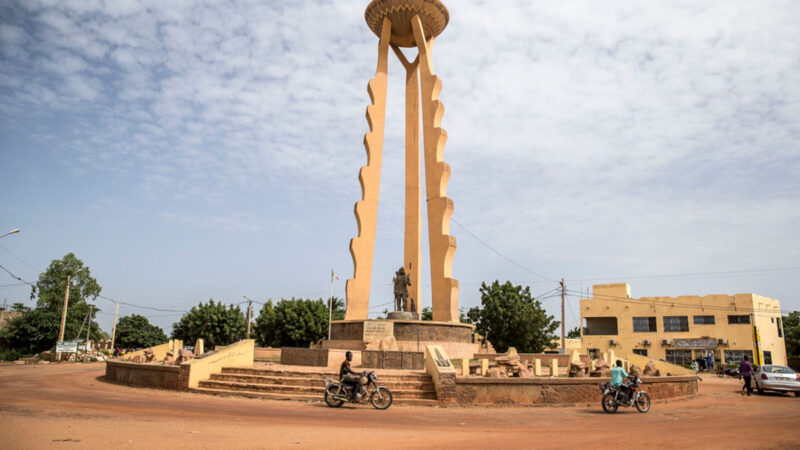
(747, 384)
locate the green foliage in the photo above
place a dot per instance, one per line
(574, 333)
(463, 316)
(427, 313)
(135, 331)
(294, 322)
(11, 354)
(509, 316)
(791, 333)
(37, 329)
(213, 322)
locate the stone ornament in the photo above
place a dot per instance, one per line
(407, 23)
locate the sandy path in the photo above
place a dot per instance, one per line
(46, 406)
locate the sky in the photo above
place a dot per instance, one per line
(187, 150)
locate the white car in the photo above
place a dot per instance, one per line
(777, 378)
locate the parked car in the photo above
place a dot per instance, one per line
(777, 378)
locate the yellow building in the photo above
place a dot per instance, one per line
(684, 328)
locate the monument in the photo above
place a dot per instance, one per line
(409, 24)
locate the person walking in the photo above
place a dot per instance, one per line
(710, 361)
(746, 371)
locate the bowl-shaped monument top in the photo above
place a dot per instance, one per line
(432, 13)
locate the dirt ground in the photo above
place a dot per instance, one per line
(70, 406)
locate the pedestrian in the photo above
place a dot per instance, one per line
(746, 371)
(710, 360)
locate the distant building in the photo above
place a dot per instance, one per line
(680, 329)
(6, 317)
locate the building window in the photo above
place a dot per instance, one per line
(600, 326)
(735, 356)
(780, 328)
(594, 353)
(676, 323)
(644, 324)
(704, 320)
(767, 357)
(640, 351)
(738, 319)
(680, 357)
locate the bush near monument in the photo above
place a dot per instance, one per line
(37, 329)
(136, 331)
(509, 316)
(295, 322)
(212, 322)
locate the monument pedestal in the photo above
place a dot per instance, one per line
(410, 335)
(402, 315)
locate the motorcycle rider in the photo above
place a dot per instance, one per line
(617, 374)
(348, 375)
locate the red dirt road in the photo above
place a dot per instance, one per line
(69, 406)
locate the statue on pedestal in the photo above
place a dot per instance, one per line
(401, 282)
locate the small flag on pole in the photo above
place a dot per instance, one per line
(333, 275)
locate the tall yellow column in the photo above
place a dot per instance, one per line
(362, 247)
(444, 288)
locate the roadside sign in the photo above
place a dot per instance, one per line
(67, 347)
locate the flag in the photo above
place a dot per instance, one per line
(333, 275)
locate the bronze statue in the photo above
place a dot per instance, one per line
(401, 282)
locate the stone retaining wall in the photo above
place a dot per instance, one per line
(374, 359)
(148, 375)
(318, 357)
(541, 391)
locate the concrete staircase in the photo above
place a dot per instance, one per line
(407, 389)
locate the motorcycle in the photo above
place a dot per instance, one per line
(729, 371)
(337, 392)
(626, 394)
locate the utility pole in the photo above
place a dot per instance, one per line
(114, 330)
(249, 314)
(86, 342)
(330, 306)
(63, 319)
(563, 325)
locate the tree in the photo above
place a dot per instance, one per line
(574, 333)
(136, 331)
(791, 333)
(427, 313)
(212, 322)
(294, 322)
(37, 329)
(509, 316)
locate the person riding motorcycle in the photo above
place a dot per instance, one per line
(617, 375)
(349, 376)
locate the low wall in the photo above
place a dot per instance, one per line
(541, 391)
(375, 359)
(184, 376)
(664, 367)
(148, 375)
(318, 357)
(261, 353)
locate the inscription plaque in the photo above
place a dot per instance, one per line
(378, 329)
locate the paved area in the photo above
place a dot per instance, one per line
(69, 406)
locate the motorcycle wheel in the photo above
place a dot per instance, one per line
(643, 402)
(330, 400)
(721, 373)
(381, 398)
(609, 403)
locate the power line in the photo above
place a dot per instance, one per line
(13, 284)
(20, 259)
(500, 254)
(18, 278)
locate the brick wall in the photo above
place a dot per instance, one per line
(304, 356)
(392, 360)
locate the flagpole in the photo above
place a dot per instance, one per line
(330, 308)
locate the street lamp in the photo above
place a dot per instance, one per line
(15, 230)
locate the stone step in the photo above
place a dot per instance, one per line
(323, 373)
(305, 390)
(305, 398)
(315, 381)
